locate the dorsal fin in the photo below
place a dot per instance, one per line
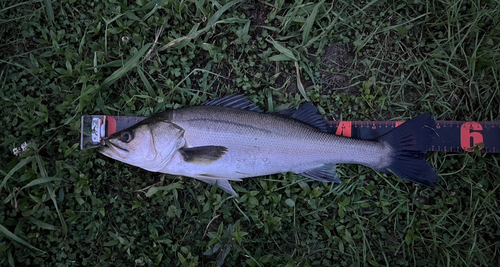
(236, 101)
(307, 113)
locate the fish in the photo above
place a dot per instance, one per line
(230, 138)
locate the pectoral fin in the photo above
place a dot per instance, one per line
(203, 155)
(221, 183)
(325, 173)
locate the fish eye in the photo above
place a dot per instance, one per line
(126, 136)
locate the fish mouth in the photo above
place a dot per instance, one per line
(117, 150)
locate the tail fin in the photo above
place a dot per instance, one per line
(409, 142)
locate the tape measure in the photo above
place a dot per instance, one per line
(451, 136)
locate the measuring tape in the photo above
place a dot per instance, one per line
(451, 136)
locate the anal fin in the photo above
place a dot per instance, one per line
(202, 155)
(325, 173)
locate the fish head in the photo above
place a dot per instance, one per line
(148, 146)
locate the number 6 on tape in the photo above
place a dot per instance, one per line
(468, 138)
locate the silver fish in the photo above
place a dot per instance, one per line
(230, 139)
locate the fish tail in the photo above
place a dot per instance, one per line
(409, 142)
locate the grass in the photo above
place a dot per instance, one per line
(368, 60)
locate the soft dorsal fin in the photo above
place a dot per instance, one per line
(236, 101)
(307, 113)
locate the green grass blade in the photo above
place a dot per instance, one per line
(300, 86)
(215, 17)
(17, 239)
(17, 5)
(178, 40)
(113, 64)
(325, 31)
(146, 82)
(154, 190)
(82, 42)
(18, 166)
(41, 180)
(283, 50)
(150, 13)
(64, 227)
(50, 189)
(43, 171)
(280, 57)
(214, 20)
(130, 64)
(49, 10)
(113, 19)
(310, 22)
(43, 225)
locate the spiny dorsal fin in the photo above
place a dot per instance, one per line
(202, 155)
(307, 113)
(236, 101)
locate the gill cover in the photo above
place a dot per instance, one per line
(148, 146)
